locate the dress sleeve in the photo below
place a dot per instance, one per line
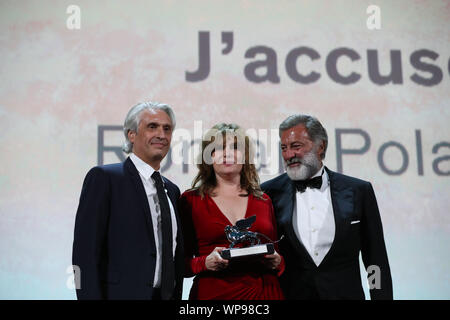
(274, 236)
(194, 264)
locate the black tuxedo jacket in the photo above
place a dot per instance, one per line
(114, 245)
(338, 275)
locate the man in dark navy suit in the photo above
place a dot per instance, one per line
(327, 219)
(127, 239)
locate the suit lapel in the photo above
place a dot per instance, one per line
(342, 201)
(172, 197)
(170, 193)
(142, 197)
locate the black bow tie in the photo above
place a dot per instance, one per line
(315, 182)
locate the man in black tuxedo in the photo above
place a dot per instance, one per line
(127, 239)
(327, 219)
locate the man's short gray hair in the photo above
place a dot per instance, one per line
(134, 117)
(316, 131)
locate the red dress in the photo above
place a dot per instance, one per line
(203, 228)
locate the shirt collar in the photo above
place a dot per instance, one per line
(144, 169)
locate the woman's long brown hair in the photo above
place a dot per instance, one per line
(205, 181)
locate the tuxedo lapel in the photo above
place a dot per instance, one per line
(342, 199)
(286, 204)
(141, 196)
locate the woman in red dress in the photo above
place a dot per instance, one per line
(225, 191)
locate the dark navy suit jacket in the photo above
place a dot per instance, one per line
(338, 275)
(114, 245)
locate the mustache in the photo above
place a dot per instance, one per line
(295, 160)
(159, 140)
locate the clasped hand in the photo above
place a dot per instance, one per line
(215, 262)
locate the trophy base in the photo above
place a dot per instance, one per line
(248, 251)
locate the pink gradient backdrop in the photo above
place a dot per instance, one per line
(57, 85)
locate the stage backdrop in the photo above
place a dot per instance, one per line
(376, 74)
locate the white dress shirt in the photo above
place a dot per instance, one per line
(145, 172)
(313, 219)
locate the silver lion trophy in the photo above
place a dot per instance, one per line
(239, 234)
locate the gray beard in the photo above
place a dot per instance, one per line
(309, 165)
